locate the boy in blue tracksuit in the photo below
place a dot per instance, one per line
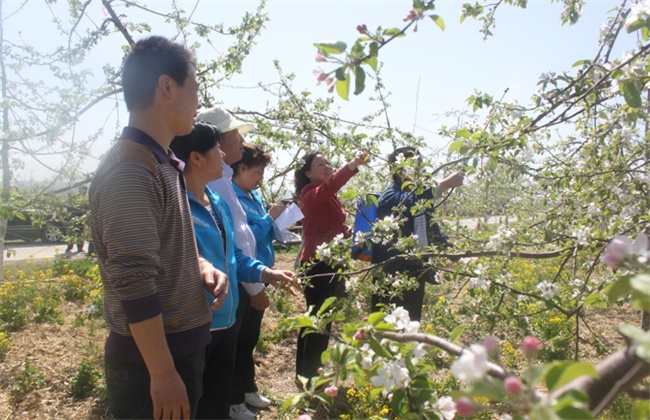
(214, 233)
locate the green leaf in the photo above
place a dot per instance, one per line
(631, 93)
(373, 49)
(564, 372)
(331, 47)
(378, 348)
(640, 301)
(581, 62)
(485, 389)
(349, 194)
(635, 333)
(438, 21)
(641, 283)
(376, 317)
(360, 80)
(456, 333)
(643, 352)
(393, 32)
(618, 289)
(542, 412)
(328, 302)
(640, 410)
(455, 146)
(343, 88)
(340, 73)
(636, 25)
(574, 413)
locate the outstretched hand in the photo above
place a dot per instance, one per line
(360, 159)
(283, 278)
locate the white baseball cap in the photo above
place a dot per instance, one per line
(223, 120)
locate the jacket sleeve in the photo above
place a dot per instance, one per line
(317, 196)
(249, 270)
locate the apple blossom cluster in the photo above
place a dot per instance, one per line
(444, 408)
(638, 10)
(472, 365)
(401, 320)
(393, 374)
(548, 290)
(384, 229)
(582, 235)
(502, 239)
(328, 250)
(623, 250)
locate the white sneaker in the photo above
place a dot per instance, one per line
(239, 411)
(256, 400)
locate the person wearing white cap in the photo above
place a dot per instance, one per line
(251, 294)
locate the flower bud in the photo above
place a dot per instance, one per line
(530, 345)
(331, 391)
(465, 407)
(492, 346)
(362, 29)
(616, 251)
(320, 57)
(360, 335)
(320, 370)
(304, 417)
(513, 385)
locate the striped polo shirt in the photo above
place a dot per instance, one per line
(144, 242)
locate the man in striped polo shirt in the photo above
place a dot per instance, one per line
(154, 300)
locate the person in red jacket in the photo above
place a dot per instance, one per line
(316, 187)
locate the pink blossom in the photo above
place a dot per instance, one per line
(331, 391)
(492, 346)
(622, 248)
(411, 16)
(360, 335)
(616, 251)
(304, 417)
(513, 385)
(465, 407)
(530, 345)
(362, 29)
(320, 370)
(320, 57)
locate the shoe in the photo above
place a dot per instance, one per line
(240, 411)
(256, 400)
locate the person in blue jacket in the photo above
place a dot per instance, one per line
(398, 200)
(248, 172)
(214, 234)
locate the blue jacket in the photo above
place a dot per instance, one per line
(233, 262)
(260, 223)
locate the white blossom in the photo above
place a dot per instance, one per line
(548, 290)
(391, 375)
(472, 365)
(445, 408)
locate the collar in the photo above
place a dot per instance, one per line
(164, 156)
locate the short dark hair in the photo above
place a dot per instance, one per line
(202, 138)
(300, 176)
(149, 59)
(407, 152)
(251, 156)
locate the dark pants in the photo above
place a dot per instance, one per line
(128, 385)
(312, 346)
(218, 375)
(411, 300)
(250, 324)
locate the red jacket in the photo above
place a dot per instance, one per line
(324, 214)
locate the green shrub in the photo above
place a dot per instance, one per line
(4, 345)
(84, 381)
(28, 379)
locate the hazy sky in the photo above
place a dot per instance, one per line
(431, 70)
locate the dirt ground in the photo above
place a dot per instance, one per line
(56, 351)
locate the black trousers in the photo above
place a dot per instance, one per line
(250, 324)
(218, 375)
(311, 346)
(128, 385)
